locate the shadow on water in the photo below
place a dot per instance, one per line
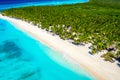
(28, 75)
(2, 29)
(10, 51)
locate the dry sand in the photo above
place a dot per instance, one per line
(78, 55)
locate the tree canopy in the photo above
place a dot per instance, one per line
(96, 22)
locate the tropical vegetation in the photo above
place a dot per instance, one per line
(96, 22)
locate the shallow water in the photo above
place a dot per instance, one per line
(24, 58)
(6, 4)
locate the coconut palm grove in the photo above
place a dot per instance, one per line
(96, 22)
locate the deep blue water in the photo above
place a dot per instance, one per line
(22, 1)
(26, 1)
(24, 58)
(6, 4)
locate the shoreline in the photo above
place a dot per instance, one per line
(75, 54)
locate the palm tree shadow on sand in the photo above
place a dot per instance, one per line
(118, 64)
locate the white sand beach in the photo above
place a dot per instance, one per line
(78, 55)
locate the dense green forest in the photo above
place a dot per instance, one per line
(96, 22)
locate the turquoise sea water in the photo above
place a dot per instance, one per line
(24, 58)
(6, 4)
